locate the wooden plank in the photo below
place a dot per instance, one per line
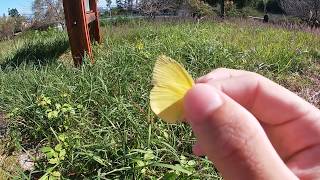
(80, 24)
(85, 31)
(72, 18)
(95, 27)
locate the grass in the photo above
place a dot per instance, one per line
(95, 122)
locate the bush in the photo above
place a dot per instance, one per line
(7, 27)
(118, 11)
(11, 25)
(116, 21)
(250, 11)
(231, 9)
(200, 8)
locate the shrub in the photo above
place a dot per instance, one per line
(200, 8)
(117, 21)
(11, 25)
(118, 11)
(231, 9)
(7, 27)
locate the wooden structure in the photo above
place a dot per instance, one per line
(82, 20)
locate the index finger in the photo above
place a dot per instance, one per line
(291, 123)
(268, 101)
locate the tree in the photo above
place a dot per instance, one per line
(265, 6)
(222, 7)
(244, 3)
(13, 12)
(7, 27)
(220, 2)
(48, 12)
(125, 4)
(199, 8)
(129, 4)
(308, 10)
(108, 4)
(16, 19)
(212, 2)
(153, 7)
(120, 3)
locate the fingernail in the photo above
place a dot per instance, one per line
(200, 102)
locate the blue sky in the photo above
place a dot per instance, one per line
(24, 6)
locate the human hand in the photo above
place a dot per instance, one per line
(252, 128)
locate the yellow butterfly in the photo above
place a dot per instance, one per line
(171, 82)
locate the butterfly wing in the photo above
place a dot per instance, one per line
(171, 82)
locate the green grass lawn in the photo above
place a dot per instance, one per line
(95, 122)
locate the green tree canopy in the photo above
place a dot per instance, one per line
(13, 12)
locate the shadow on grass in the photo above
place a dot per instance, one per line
(36, 53)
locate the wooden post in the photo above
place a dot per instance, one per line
(78, 26)
(94, 26)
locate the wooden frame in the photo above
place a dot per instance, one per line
(81, 25)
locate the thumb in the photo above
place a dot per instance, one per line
(232, 137)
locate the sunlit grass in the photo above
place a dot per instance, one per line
(109, 130)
